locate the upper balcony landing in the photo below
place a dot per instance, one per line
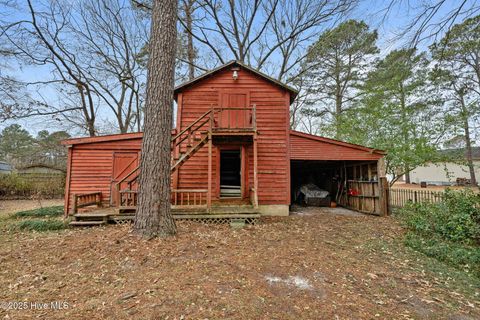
(234, 121)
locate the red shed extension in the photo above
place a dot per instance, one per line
(232, 147)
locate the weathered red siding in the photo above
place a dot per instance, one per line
(91, 166)
(272, 103)
(309, 147)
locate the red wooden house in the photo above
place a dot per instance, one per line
(232, 152)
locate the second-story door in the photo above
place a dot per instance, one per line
(236, 115)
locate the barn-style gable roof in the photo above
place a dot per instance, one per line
(232, 64)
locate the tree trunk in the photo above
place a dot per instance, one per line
(338, 105)
(468, 142)
(405, 120)
(190, 49)
(407, 175)
(153, 217)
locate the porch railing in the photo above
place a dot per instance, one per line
(235, 117)
(179, 198)
(128, 198)
(85, 200)
(189, 197)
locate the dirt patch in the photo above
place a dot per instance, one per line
(319, 266)
(8, 207)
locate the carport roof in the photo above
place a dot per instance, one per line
(305, 146)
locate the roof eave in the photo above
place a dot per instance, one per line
(106, 138)
(337, 142)
(181, 87)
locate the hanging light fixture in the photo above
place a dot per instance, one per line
(235, 73)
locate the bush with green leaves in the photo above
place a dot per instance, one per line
(448, 230)
(27, 186)
(456, 218)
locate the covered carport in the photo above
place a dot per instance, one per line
(352, 175)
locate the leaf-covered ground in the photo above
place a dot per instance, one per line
(313, 265)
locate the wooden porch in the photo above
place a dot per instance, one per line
(218, 214)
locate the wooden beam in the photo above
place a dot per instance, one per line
(67, 183)
(255, 172)
(383, 187)
(209, 193)
(381, 171)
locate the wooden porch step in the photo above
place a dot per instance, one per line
(127, 207)
(87, 223)
(91, 217)
(217, 216)
(92, 214)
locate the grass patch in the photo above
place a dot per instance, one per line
(449, 276)
(466, 258)
(54, 211)
(41, 225)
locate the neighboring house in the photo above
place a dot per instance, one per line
(232, 151)
(446, 172)
(5, 167)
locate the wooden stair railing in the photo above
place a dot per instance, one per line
(196, 135)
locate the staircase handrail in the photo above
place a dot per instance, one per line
(190, 127)
(128, 175)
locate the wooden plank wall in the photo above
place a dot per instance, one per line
(364, 192)
(272, 121)
(92, 164)
(367, 199)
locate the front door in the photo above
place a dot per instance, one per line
(230, 174)
(123, 164)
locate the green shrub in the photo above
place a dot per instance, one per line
(448, 231)
(41, 212)
(41, 225)
(27, 186)
(456, 218)
(464, 257)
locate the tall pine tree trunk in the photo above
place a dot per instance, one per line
(468, 141)
(153, 217)
(406, 142)
(190, 49)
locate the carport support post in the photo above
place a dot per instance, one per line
(255, 168)
(209, 182)
(382, 187)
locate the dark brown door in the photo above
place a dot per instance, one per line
(123, 164)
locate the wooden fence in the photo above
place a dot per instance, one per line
(398, 198)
